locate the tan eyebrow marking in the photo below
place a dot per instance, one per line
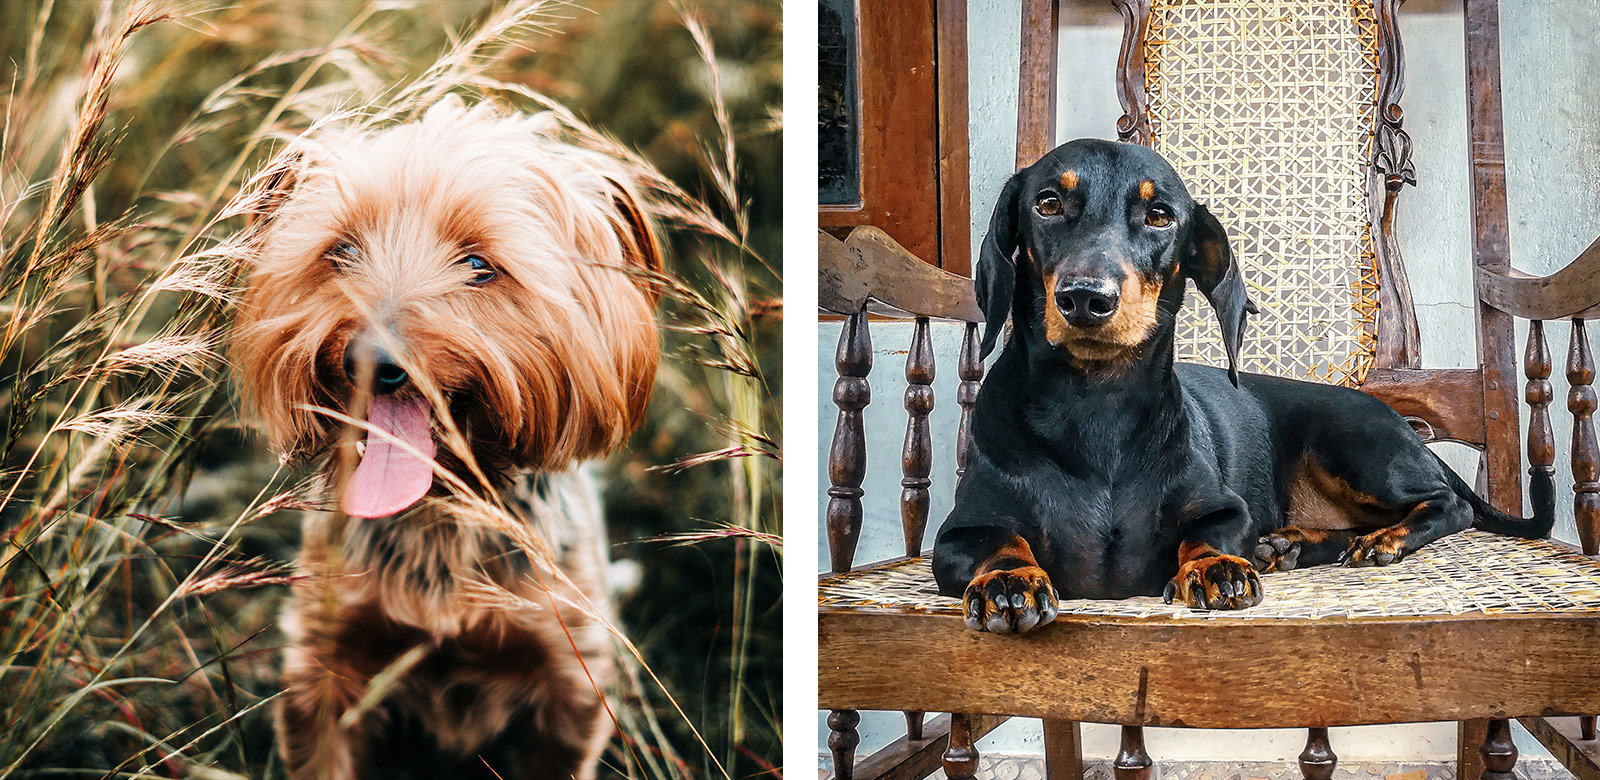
(1147, 189)
(1069, 179)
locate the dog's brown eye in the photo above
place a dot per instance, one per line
(1158, 217)
(1048, 205)
(482, 272)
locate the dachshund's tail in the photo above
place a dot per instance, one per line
(1490, 519)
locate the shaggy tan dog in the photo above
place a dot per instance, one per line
(475, 290)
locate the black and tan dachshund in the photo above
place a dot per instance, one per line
(1100, 468)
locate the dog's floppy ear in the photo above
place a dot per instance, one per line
(638, 236)
(280, 177)
(1210, 263)
(996, 277)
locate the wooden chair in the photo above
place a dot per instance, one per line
(881, 627)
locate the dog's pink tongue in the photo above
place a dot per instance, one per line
(389, 478)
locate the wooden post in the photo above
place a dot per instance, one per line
(1499, 752)
(970, 369)
(1036, 97)
(842, 741)
(1491, 250)
(1585, 452)
(847, 458)
(1132, 762)
(1585, 456)
(1541, 442)
(1063, 750)
(916, 459)
(1469, 738)
(1317, 761)
(961, 756)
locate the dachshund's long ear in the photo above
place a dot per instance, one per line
(1210, 263)
(996, 279)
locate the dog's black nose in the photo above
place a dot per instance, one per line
(1087, 303)
(387, 375)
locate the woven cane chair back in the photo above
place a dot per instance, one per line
(1268, 110)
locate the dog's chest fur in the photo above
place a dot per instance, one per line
(502, 635)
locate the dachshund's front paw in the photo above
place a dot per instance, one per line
(1379, 548)
(1217, 582)
(1009, 601)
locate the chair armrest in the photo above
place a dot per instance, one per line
(870, 266)
(1573, 291)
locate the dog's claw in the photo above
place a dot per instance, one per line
(1276, 553)
(1218, 582)
(1379, 548)
(1010, 601)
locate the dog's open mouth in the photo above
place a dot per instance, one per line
(390, 477)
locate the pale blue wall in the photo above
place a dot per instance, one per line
(1553, 172)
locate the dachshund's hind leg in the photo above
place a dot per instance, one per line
(1439, 515)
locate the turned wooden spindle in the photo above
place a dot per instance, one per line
(1585, 456)
(1585, 453)
(916, 460)
(1132, 762)
(970, 369)
(1541, 442)
(961, 755)
(1317, 761)
(847, 458)
(1499, 752)
(842, 741)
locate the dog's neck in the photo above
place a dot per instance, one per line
(1067, 402)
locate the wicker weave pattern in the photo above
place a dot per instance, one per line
(1467, 572)
(1267, 109)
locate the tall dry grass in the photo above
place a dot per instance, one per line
(146, 537)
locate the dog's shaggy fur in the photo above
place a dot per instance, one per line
(506, 271)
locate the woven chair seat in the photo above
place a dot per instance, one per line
(1469, 572)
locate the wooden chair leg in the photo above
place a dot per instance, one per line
(1317, 761)
(961, 757)
(1469, 736)
(1586, 727)
(1063, 750)
(1132, 762)
(914, 725)
(1499, 752)
(842, 741)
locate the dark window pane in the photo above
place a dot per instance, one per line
(838, 120)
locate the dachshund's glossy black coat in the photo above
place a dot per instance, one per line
(1100, 468)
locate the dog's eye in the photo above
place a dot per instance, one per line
(482, 272)
(1158, 216)
(1048, 205)
(341, 255)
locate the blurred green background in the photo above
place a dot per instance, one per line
(188, 96)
